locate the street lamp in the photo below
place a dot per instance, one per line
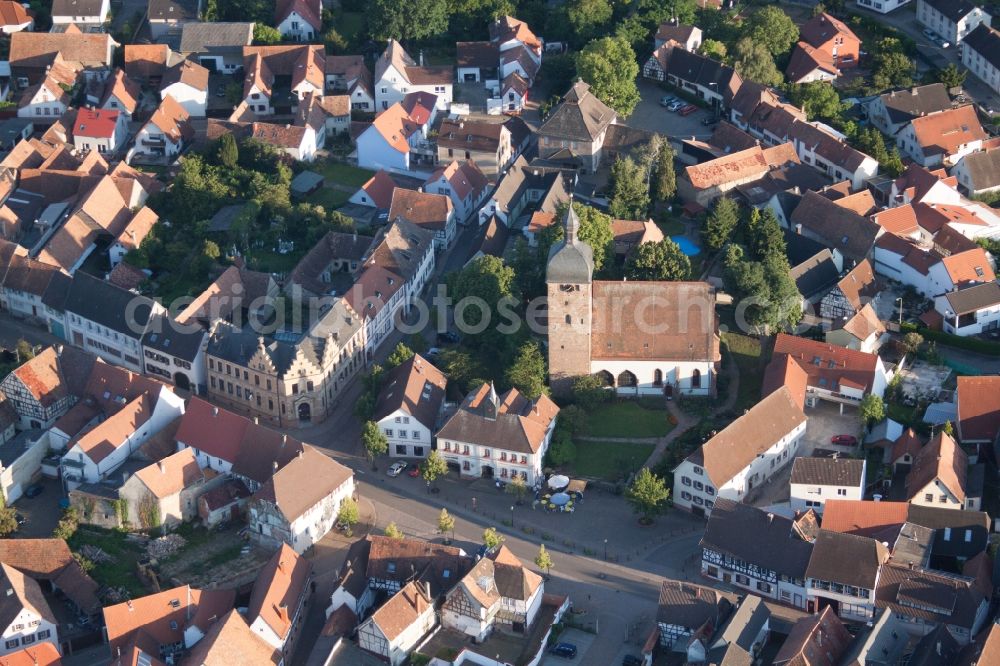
(605, 550)
(900, 301)
(512, 515)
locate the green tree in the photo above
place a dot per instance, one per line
(400, 355)
(713, 48)
(948, 429)
(773, 28)
(8, 517)
(562, 450)
(228, 152)
(754, 62)
(374, 440)
(763, 236)
(433, 467)
(24, 351)
(767, 295)
(595, 230)
(721, 223)
(893, 165)
(334, 42)
(527, 373)
(589, 392)
(211, 251)
(630, 190)
(951, 76)
(264, 35)
(648, 494)
(587, 18)
(543, 560)
(819, 99)
(492, 539)
(517, 487)
(609, 65)
(407, 19)
(392, 531)
(446, 523)
(348, 514)
(892, 67)
(665, 183)
(871, 409)
(663, 260)
(489, 279)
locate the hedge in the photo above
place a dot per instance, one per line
(956, 341)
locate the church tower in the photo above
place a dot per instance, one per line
(568, 277)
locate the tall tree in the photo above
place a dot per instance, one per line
(714, 49)
(595, 230)
(492, 539)
(517, 487)
(392, 531)
(490, 281)
(433, 467)
(773, 28)
(587, 18)
(407, 19)
(446, 523)
(663, 260)
(543, 560)
(819, 99)
(893, 68)
(264, 35)
(721, 223)
(609, 65)
(527, 373)
(374, 441)
(872, 409)
(665, 183)
(648, 494)
(951, 76)
(229, 153)
(400, 355)
(348, 514)
(630, 190)
(754, 62)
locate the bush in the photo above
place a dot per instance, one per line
(957, 341)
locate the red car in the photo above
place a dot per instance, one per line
(414, 471)
(844, 440)
(687, 110)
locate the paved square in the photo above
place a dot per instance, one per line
(580, 639)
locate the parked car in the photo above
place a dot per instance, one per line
(34, 490)
(929, 34)
(564, 650)
(667, 100)
(448, 338)
(687, 110)
(395, 469)
(433, 353)
(844, 440)
(675, 105)
(709, 121)
(414, 471)
(943, 43)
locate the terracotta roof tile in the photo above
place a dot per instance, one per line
(231, 642)
(106, 437)
(309, 10)
(279, 589)
(901, 220)
(146, 60)
(818, 640)
(822, 28)
(978, 408)
(829, 365)
(172, 474)
(172, 119)
(396, 128)
(303, 482)
(864, 324)
(401, 611)
(124, 89)
(806, 59)
(944, 132)
(37, 49)
(426, 210)
(41, 654)
(13, 14)
(187, 72)
(415, 387)
(42, 378)
(968, 267)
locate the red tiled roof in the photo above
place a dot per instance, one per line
(13, 14)
(827, 365)
(864, 518)
(969, 266)
(978, 408)
(944, 132)
(95, 123)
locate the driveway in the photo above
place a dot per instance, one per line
(650, 116)
(581, 640)
(42, 512)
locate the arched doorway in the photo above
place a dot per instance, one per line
(627, 379)
(487, 472)
(607, 379)
(696, 378)
(181, 381)
(657, 377)
(305, 411)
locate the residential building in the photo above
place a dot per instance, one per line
(337, 253)
(164, 493)
(14, 17)
(89, 14)
(464, 183)
(349, 74)
(688, 616)
(337, 109)
(519, 48)
(377, 296)
(39, 390)
(166, 623)
(745, 632)
(50, 564)
(216, 46)
(146, 63)
(820, 638)
(835, 374)
(882, 645)
(941, 477)
(758, 551)
(815, 480)
(827, 151)
(524, 184)
(278, 602)
(695, 74)
(396, 628)
(299, 20)
(27, 616)
(229, 638)
(166, 17)
(42, 654)
(892, 111)
(942, 138)
(882, 6)
(300, 502)
(405, 250)
(843, 573)
(25, 283)
(579, 125)
(283, 382)
(299, 142)
(488, 144)
(743, 456)
(498, 594)
(409, 407)
(48, 100)
(979, 173)
(166, 132)
(100, 130)
(33, 53)
(979, 55)
(833, 38)
(972, 310)
(628, 234)
(395, 141)
(430, 211)
(175, 354)
(704, 183)
(498, 436)
(952, 21)
(121, 94)
(855, 290)
(269, 69)
(978, 403)
(957, 603)
(187, 83)
(926, 270)
(863, 332)
(688, 36)
(397, 74)
(476, 61)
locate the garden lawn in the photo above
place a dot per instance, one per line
(609, 460)
(344, 174)
(328, 198)
(746, 351)
(122, 571)
(627, 419)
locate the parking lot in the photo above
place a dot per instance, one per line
(580, 639)
(650, 116)
(42, 513)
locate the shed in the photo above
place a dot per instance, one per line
(306, 183)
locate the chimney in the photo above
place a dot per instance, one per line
(798, 229)
(770, 517)
(163, 468)
(129, 602)
(256, 421)
(274, 465)
(421, 57)
(427, 589)
(215, 411)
